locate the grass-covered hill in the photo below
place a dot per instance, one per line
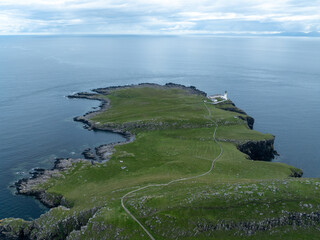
(173, 128)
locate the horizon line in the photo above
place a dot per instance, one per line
(217, 34)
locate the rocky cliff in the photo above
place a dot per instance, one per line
(258, 150)
(230, 106)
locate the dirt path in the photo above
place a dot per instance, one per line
(173, 181)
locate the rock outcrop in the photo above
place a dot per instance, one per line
(17, 229)
(258, 150)
(296, 172)
(13, 229)
(88, 154)
(33, 186)
(61, 228)
(295, 219)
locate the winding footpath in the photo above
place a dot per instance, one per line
(173, 181)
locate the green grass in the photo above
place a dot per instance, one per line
(173, 107)
(211, 204)
(174, 139)
(241, 133)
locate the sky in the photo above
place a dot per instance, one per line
(158, 16)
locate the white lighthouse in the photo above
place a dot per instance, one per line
(225, 96)
(218, 98)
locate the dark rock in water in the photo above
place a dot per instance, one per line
(37, 171)
(82, 95)
(88, 154)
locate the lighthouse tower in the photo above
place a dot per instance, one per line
(225, 96)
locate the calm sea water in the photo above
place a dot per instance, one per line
(275, 80)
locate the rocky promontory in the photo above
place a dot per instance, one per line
(256, 150)
(34, 186)
(175, 140)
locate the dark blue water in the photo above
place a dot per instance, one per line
(276, 80)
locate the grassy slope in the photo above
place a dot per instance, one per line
(183, 147)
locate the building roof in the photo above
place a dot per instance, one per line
(215, 95)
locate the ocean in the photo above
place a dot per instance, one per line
(275, 80)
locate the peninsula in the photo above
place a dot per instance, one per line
(188, 170)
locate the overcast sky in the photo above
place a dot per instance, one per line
(158, 16)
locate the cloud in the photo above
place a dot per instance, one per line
(158, 16)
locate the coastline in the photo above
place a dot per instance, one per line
(256, 150)
(32, 186)
(39, 176)
(40, 187)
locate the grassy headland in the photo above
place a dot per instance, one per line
(240, 199)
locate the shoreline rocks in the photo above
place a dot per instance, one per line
(88, 154)
(256, 150)
(30, 186)
(105, 151)
(33, 186)
(296, 173)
